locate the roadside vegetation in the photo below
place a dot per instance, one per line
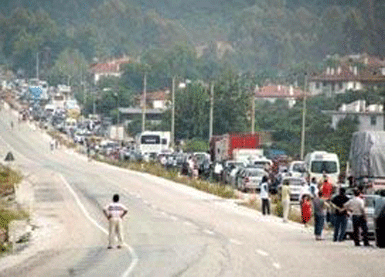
(8, 211)
(174, 175)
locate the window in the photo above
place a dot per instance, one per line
(317, 85)
(321, 166)
(373, 120)
(150, 140)
(341, 85)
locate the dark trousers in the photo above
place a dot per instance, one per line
(340, 222)
(265, 206)
(319, 221)
(359, 221)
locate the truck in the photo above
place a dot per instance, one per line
(235, 146)
(367, 157)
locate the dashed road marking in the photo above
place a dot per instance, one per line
(262, 253)
(188, 223)
(145, 202)
(277, 265)
(173, 218)
(237, 242)
(208, 232)
(138, 196)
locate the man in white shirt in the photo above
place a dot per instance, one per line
(357, 207)
(264, 194)
(115, 213)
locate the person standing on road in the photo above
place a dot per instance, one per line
(357, 207)
(115, 213)
(264, 194)
(319, 208)
(306, 209)
(285, 200)
(327, 191)
(313, 187)
(340, 217)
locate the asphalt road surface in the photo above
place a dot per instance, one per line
(171, 229)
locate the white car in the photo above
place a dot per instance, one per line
(297, 169)
(296, 186)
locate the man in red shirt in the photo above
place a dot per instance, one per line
(327, 191)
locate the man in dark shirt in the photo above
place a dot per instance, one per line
(341, 215)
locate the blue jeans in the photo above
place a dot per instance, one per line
(340, 222)
(319, 221)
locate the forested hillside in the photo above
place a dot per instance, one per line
(261, 33)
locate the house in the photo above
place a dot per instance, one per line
(354, 72)
(156, 99)
(273, 92)
(370, 118)
(110, 68)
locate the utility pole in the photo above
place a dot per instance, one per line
(37, 66)
(173, 112)
(253, 109)
(303, 119)
(144, 102)
(211, 122)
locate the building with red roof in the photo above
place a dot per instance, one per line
(109, 68)
(354, 72)
(273, 92)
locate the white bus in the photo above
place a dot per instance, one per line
(153, 142)
(320, 162)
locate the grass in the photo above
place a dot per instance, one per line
(8, 179)
(173, 174)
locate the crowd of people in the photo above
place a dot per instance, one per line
(326, 205)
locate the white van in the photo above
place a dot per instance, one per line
(319, 162)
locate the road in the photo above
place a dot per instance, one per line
(171, 229)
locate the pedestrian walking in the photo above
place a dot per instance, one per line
(264, 194)
(357, 207)
(319, 210)
(340, 215)
(285, 194)
(306, 209)
(115, 213)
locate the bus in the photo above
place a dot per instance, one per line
(320, 162)
(153, 142)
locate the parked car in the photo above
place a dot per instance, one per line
(296, 185)
(369, 210)
(297, 169)
(228, 167)
(250, 178)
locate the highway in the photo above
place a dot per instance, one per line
(170, 230)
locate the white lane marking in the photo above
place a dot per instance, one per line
(163, 213)
(209, 232)
(277, 265)
(145, 202)
(237, 242)
(154, 206)
(188, 223)
(262, 253)
(173, 218)
(135, 258)
(138, 196)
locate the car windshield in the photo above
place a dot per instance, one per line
(299, 167)
(296, 182)
(324, 166)
(257, 173)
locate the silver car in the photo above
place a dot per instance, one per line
(296, 185)
(250, 178)
(369, 209)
